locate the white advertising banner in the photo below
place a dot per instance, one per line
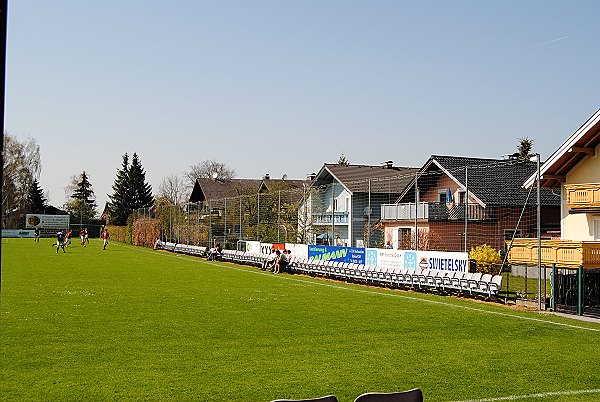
(410, 259)
(47, 221)
(298, 250)
(17, 233)
(253, 246)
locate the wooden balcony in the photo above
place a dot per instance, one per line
(563, 253)
(583, 197)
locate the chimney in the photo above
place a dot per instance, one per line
(311, 176)
(388, 164)
(267, 177)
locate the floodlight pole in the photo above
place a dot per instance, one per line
(369, 217)
(417, 212)
(331, 239)
(3, 23)
(466, 207)
(539, 236)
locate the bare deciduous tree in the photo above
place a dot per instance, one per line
(209, 169)
(172, 189)
(22, 165)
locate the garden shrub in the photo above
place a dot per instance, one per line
(486, 257)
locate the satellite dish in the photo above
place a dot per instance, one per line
(284, 177)
(368, 211)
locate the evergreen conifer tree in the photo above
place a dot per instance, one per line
(83, 204)
(84, 191)
(130, 191)
(121, 193)
(36, 201)
(141, 192)
(343, 161)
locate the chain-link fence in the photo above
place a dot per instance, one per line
(437, 208)
(451, 204)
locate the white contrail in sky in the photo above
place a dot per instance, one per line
(547, 42)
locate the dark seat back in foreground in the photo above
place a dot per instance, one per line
(414, 395)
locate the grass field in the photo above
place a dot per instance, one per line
(133, 323)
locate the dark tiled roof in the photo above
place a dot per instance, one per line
(281, 184)
(356, 177)
(493, 181)
(211, 189)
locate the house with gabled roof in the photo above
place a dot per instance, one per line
(573, 171)
(344, 202)
(430, 212)
(244, 209)
(220, 189)
(217, 189)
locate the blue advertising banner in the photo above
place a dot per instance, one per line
(336, 253)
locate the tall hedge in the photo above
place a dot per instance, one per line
(145, 231)
(117, 233)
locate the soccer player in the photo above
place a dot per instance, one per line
(68, 238)
(105, 238)
(60, 241)
(83, 235)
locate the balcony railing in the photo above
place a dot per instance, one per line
(563, 253)
(434, 211)
(405, 211)
(339, 218)
(583, 197)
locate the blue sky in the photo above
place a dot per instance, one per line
(282, 87)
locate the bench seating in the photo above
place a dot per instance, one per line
(418, 279)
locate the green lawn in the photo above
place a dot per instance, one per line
(133, 323)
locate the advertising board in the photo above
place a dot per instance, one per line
(46, 221)
(337, 253)
(16, 233)
(410, 259)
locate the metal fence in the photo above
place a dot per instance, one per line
(577, 291)
(439, 210)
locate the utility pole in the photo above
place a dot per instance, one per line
(3, 19)
(539, 236)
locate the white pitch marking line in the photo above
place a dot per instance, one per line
(538, 395)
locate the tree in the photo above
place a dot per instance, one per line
(22, 164)
(141, 191)
(209, 169)
(171, 189)
(343, 161)
(36, 201)
(130, 191)
(524, 148)
(120, 196)
(83, 202)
